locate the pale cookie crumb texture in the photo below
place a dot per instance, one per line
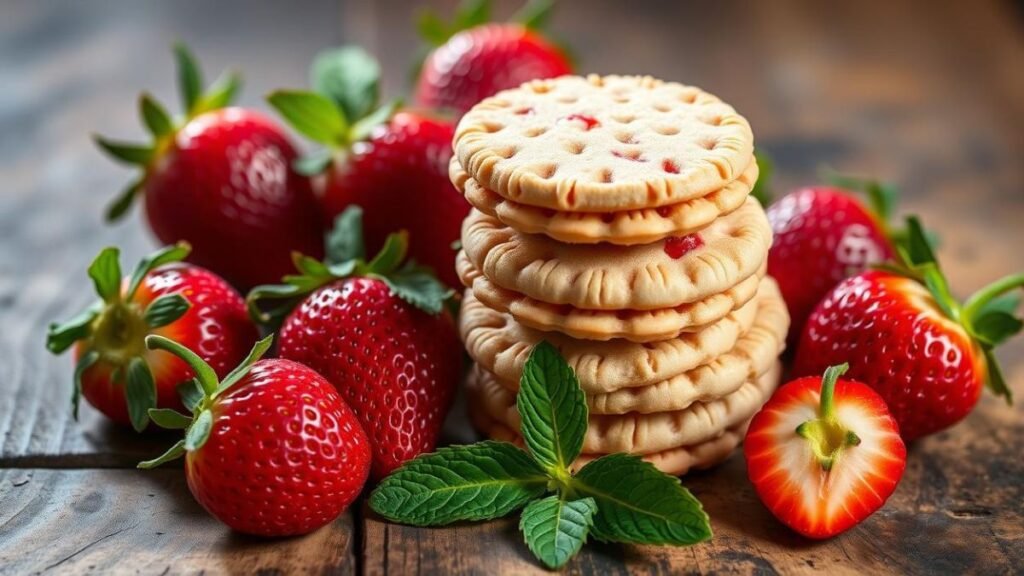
(603, 143)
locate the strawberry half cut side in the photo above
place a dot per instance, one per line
(824, 454)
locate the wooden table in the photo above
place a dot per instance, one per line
(929, 95)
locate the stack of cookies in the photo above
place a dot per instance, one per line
(612, 218)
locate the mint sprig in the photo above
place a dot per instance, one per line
(616, 498)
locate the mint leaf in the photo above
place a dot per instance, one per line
(476, 482)
(350, 77)
(553, 409)
(638, 504)
(312, 114)
(556, 529)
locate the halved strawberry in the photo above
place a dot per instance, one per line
(824, 454)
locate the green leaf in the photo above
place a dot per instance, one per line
(86, 361)
(170, 419)
(939, 289)
(881, 196)
(418, 286)
(555, 529)
(919, 248)
(105, 272)
(362, 129)
(190, 78)
(191, 394)
(765, 168)
(534, 14)
(154, 116)
(119, 207)
(173, 453)
(140, 393)
(553, 409)
(995, 327)
(220, 94)
(166, 309)
(396, 246)
(1008, 303)
(345, 240)
(476, 482)
(315, 116)
(995, 381)
(350, 77)
(166, 255)
(638, 504)
(313, 163)
(257, 352)
(206, 376)
(472, 13)
(134, 154)
(431, 28)
(60, 337)
(199, 432)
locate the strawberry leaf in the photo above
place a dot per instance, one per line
(140, 393)
(134, 154)
(431, 28)
(995, 327)
(362, 129)
(556, 529)
(191, 393)
(169, 419)
(199, 432)
(312, 114)
(87, 360)
(476, 482)
(313, 163)
(220, 94)
(190, 77)
(173, 453)
(166, 255)
(345, 240)
(994, 380)
(257, 352)
(638, 504)
(472, 13)
(154, 116)
(553, 409)
(204, 373)
(105, 272)
(395, 248)
(418, 286)
(881, 195)
(350, 77)
(165, 309)
(534, 14)
(119, 207)
(60, 337)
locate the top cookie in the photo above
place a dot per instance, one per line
(603, 143)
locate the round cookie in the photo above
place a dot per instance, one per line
(754, 353)
(664, 274)
(640, 326)
(501, 345)
(674, 461)
(640, 433)
(603, 144)
(640, 226)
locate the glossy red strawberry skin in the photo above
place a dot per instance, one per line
(821, 236)
(226, 185)
(792, 484)
(285, 455)
(400, 179)
(483, 61)
(395, 365)
(900, 343)
(216, 326)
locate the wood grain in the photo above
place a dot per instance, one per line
(134, 522)
(928, 96)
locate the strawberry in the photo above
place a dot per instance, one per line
(220, 178)
(271, 449)
(822, 234)
(379, 332)
(113, 370)
(395, 168)
(824, 454)
(473, 59)
(905, 335)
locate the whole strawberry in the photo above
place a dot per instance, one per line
(824, 454)
(394, 167)
(222, 179)
(271, 449)
(114, 370)
(822, 235)
(474, 59)
(379, 332)
(904, 335)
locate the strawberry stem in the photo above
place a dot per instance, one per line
(979, 299)
(825, 433)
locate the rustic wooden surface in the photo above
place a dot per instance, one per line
(929, 95)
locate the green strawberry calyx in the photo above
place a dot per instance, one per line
(989, 316)
(342, 108)
(346, 258)
(198, 395)
(533, 15)
(113, 329)
(827, 436)
(163, 127)
(615, 498)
